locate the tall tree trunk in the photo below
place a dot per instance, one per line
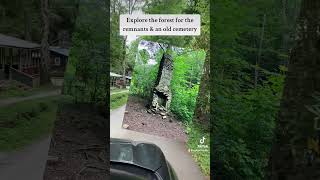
(294, 154)
(256, 69)
(124, 63)
(202, 110)
(285, 24)
(131, 7)
(27, 25)
(44, 41)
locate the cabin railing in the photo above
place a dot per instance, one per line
(27, 79)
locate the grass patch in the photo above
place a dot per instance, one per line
(117, 100)
(118, 90)
(24, 122)
(14, 91)
(195, 133)
(113, 90)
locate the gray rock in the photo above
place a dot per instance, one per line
(162, 114)
(125, 126)
(164, 117)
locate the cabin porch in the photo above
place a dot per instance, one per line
(20, 64)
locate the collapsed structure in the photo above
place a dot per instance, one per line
(161, 93)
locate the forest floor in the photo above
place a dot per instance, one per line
(140, 120)
(78, 145)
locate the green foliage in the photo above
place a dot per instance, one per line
(243, 130)
(167, 7)
(24, 122)
(143, 79)
(243, 116)
(144, 56)
(117, 100)
(23, 19)
(185, 83)
(201, 157)
(43, 106)
(87, 77)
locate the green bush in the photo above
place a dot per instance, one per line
(195, 133)
(185, 84)
(117, 100)
(243, 130)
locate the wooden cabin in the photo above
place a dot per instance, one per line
(116, 81)
(128, 81)
(58, 63)
(20, 60)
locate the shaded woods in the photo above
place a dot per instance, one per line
(86, 78)
(251, 42)
(264, 78)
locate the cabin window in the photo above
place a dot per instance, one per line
(57, 61)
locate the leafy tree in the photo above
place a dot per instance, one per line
(243, 115)
(185, 84)
(86, 77)
(162, 7)
(295, 150)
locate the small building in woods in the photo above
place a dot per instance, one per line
(116, 81)
(58, 63)
(20, 60)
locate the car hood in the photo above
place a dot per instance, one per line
(145, 155)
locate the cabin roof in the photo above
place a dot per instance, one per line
(118, 75)
(60, 50)
(16, 42)
(115, 75)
